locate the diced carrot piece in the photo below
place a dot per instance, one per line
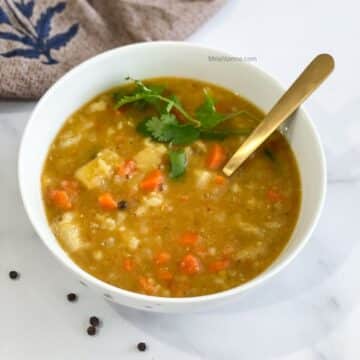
(61, 199)
(127, 168)
(164, 274)
(107, 202)
(190, 264)
(189, 238)
(219, 265)
(128, 264)
(216, 157)
(219, 180)
(146, 285)
(152, 181)
(162, 258)
(274, 195)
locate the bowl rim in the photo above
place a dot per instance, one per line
(150, 299)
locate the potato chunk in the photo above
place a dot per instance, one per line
(150, 157)
(67, 230)
(95, 172)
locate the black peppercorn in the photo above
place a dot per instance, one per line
(91, 330)
(94, 321)
(122, 205)
(141, 346)
(72, 297)
(13, 274)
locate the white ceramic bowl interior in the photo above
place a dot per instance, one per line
(152, 60)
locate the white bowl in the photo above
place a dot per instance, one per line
(156, 59)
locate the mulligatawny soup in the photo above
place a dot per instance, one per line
(134, 191)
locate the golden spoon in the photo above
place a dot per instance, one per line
(309, 80)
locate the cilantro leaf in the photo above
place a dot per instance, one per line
(153, 100)
(206, 113)
(166, 128)
(128, 99)
(161, 128)
(184, 134)
(152, 95)
(143, 95)
(209, 118)
(178, 163)
(142, 128)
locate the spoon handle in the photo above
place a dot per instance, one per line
(308, 81)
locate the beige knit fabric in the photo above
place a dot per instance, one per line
(41, 39)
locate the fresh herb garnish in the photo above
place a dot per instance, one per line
(185, 135)
(161, 127)
(207, 114)
(178, 163)
(144, 92)
(165, 127)
(142, 128)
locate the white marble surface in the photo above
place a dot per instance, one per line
(311, 311)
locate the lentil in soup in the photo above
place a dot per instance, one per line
(134, 192)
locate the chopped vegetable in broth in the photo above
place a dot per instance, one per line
(134, 191)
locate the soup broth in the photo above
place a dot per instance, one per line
(134, 192)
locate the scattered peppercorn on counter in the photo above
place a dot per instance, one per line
(134, 192)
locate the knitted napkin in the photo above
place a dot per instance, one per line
(41, 39)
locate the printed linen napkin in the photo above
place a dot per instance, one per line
(42, 39)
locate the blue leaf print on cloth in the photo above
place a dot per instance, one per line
(35, 35)
(14, 37)
(28, 53)
(43, 25)
(3, 17)
(25, 8)
(60, 40)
